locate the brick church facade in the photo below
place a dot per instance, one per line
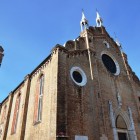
(84, 90)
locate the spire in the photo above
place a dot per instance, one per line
(99, 20)
(84, 22)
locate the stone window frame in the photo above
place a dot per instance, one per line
(83, 75)
(39, 99)
(106, 44)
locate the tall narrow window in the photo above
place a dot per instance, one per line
(4, 114)
(38, 100)
(16, 113)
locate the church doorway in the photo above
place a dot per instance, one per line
(121, 128)
(122, 136)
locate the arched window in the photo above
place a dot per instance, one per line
(38, 100)
(4, 114)
(16, 113)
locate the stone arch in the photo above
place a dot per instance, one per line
(120, 123)
(125, 117)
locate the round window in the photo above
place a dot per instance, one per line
(78, 76)
(111, 64)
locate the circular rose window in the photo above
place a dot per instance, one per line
(111, 64)
(78, 76)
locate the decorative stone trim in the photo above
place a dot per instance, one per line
(81, 52)
(82, 73)
(133, 134)
(112, 118)
(106, 44)
(124, 115)
(80, 137)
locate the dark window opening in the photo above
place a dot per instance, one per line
(122, 136)
(109, 63)
(98, 95)
(139, 99)
(77, 76)
(105, 44)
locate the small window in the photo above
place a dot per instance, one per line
(106, 44)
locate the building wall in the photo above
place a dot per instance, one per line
(110, 85)
(46, 129)
(69, 110)
(76, 105)
(85, 110)
(22, 91)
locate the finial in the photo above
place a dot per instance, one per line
(117, 42)
(99, 20)
(84, 22)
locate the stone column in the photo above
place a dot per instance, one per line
(115, 134)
